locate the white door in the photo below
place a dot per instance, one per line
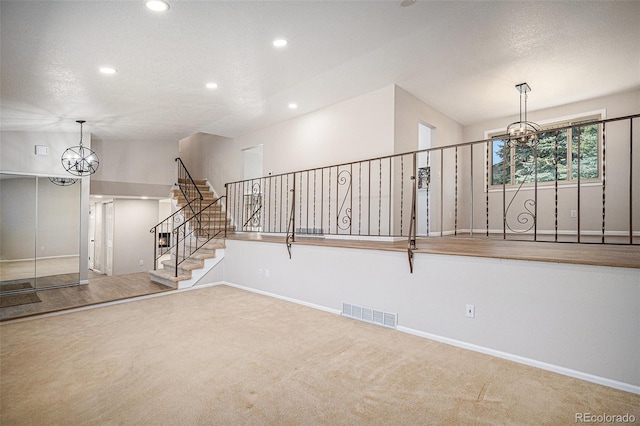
(92, 234)
(108, 227)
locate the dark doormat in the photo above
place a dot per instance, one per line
(10, 286)
(18, 299)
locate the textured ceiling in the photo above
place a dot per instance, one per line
(462, 58)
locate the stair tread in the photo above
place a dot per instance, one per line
(165, 274)
(189, 264)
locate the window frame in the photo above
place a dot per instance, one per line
(548, 125)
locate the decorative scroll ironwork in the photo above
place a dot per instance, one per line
(344, 219)
(527, 217)
(253, 205)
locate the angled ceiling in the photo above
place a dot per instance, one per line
(462, 58)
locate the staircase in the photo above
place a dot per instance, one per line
(197, 230)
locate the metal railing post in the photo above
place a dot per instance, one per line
(411, 244)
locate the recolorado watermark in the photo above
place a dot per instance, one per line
(604, 418)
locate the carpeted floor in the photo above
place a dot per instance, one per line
(224, 356)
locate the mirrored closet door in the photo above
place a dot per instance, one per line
(39, 233)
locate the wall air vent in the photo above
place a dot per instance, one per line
(372, 316)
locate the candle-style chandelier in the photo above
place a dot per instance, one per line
(523, 132)
(80, 160)
(63, 181)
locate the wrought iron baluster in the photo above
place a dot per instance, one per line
(535, 191)
(604, 178)
(351, 200)
(389, 197)
(472, 192)
(300, 201)
(329, 208)
(369, 198)
(455, 220)
(380, 197)
(486, 186)
(441, 192)
(579, 182)
(630, 180)
(322, 200)
(504, 188)
(555, 161)
(401, 190)
(307, 210)
(428, 195)
(360, 198)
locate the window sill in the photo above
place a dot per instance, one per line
(544, 186)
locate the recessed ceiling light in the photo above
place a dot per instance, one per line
(280, 42)
(212, 86)
(157, 5)
(107, 70)
(293, 105)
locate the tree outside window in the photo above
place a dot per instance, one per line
(518, 163)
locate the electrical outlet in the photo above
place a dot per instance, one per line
(42, 248)
(259, 271)
(471, 311)
(141, 262)
(574, 213)
(266, 273)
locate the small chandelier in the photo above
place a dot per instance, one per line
(80, 160)
(63, 181)
(523, 132)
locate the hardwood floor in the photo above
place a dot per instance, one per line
(100, 289)
(14, 270)
(614, 255)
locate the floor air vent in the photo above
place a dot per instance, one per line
(369, 315)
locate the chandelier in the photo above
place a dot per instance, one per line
(523, 132)
(63, 181)
(80, 160)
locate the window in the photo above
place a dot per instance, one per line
(518, 163)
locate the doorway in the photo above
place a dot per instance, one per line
(425, 161)
(252, 162)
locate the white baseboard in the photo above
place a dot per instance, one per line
(288, 299)
(526, 361)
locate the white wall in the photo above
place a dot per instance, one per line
(139, 168)
(132, 240)
(580, 318)
(352, 130)
(410, 111)
(617, 105)
(17, 151)
(212, 157)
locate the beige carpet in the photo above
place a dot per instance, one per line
(223, 356)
